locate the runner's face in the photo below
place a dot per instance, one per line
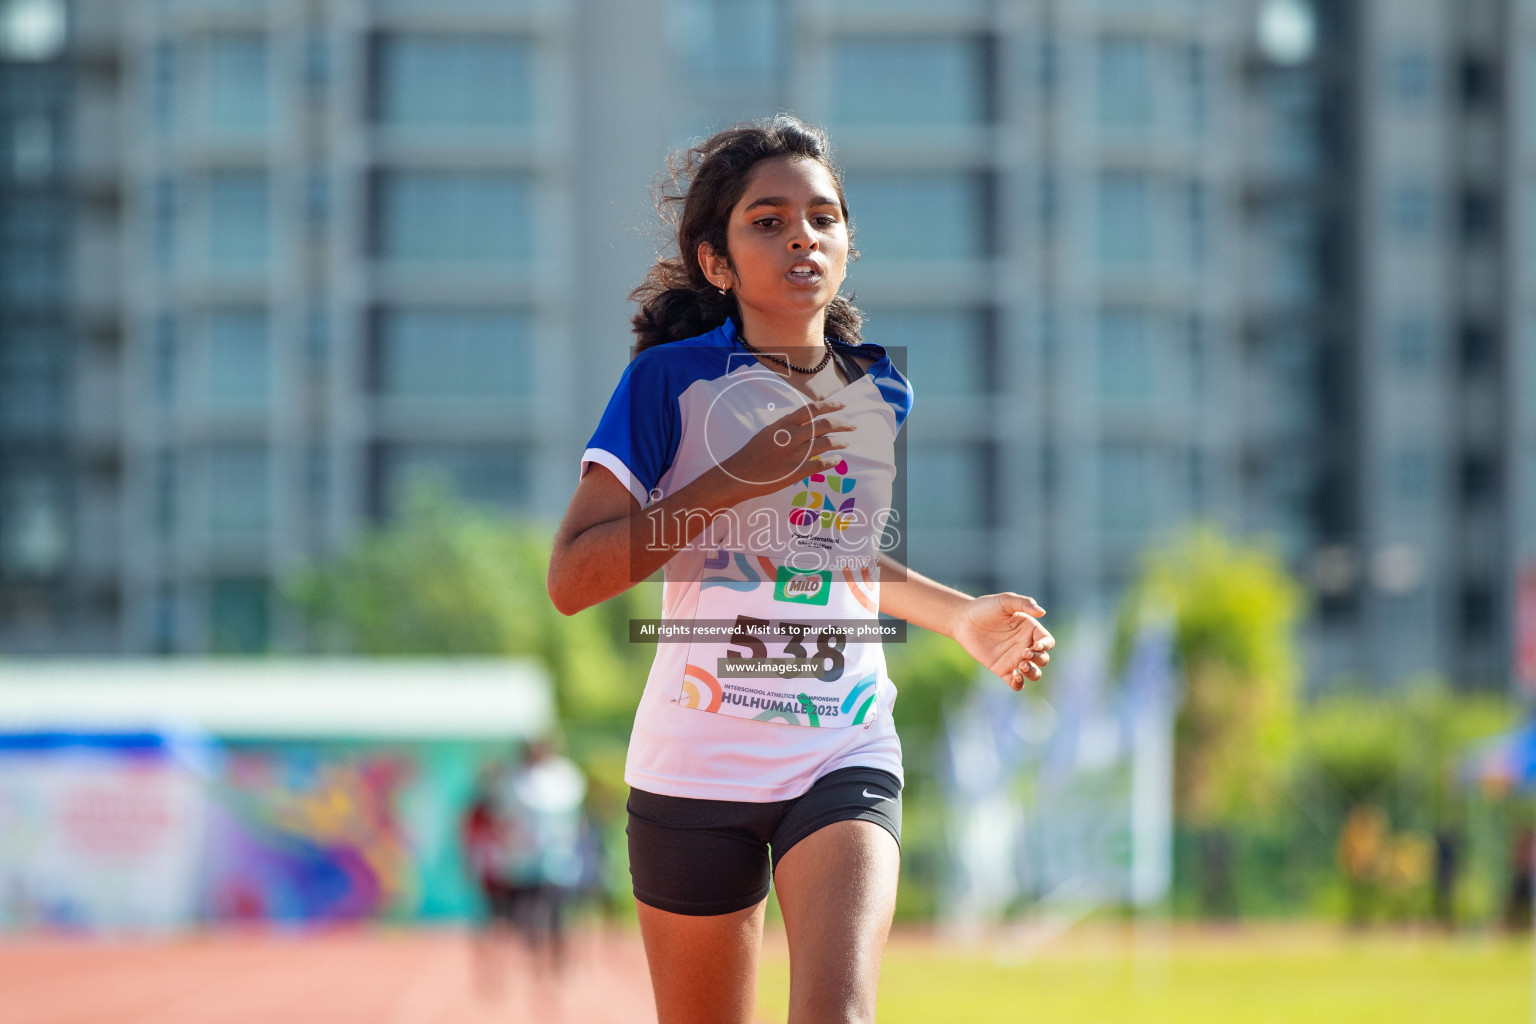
(788, 241)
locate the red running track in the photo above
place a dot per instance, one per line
(352, 976)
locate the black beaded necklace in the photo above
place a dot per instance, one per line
(808, 370)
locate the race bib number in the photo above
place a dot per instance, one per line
(793, 673)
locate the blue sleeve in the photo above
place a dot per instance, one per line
(638, 435)
(897, 391)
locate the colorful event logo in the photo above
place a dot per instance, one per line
(812, 508)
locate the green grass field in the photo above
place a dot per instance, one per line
(1193, 976)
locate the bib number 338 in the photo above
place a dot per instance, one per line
(749, 635)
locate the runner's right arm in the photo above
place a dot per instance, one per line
(607, 542)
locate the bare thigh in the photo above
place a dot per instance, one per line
(837, 888)
(703, 969)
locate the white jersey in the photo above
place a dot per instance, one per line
(769, 672)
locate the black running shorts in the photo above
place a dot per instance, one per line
(703, 857)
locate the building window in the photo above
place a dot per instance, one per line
(163, 214)
(239, 616)
(1125, 230)
(163, 622)
(1200, 369)
(1526, 74)
(1479, 348)
(919, 216)
(239, 361)
(1412, 211)
(34, 241)
(1287, 363)
(1479, 479)
(1527, 256)
(495, 474)
(239, 494)
(1198, 75)
(454, 354)
(905, 81)
(949, 486)
(34, 148)
(1048, 213)
(1410, 342)
(317, 482)
(1197, 465)
(239, 220)
(1290, 236)
(1047, 67)
(1526, 522)
(1412, 80)
(317, 338)
(1127, 362)
(166, 491)
(1125, 83)
(1479, 83)
(236, 87)
(1198, 209)
(1411, 477)
(165, 361)
(451, 81)
(946, 349)
(317, 201)
(34, 538)
(1126, 492)
(1292, 102)
(1478, 611)
(739, 43)
(446, 216)
(162, 87)
(34, 388)
(34, 525)
(1479, 216)
(317, 63)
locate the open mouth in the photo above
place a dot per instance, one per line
(804, 273)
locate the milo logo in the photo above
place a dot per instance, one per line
(803, 587)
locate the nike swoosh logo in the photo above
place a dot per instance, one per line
(875, 796)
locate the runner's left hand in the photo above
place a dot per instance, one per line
(1001, 632)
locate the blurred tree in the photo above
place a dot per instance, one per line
(1235, 611)
(931, 673)
(1399, 750)
(452, 580)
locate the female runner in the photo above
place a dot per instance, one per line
(748, 451)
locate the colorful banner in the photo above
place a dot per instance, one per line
(100, 831)
(115, 831)
(308, 832)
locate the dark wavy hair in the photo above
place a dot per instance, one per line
(701, 188)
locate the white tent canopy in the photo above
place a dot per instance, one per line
(330, 698)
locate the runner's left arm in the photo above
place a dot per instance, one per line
(1001, 631)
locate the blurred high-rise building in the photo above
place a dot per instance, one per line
(1259, 262)
(1388, 324)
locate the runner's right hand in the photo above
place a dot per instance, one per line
(791, 447)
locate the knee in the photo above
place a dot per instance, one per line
(833, 1011)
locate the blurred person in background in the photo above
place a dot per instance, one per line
(1362, 854)
(1447, 866)
(522, 836)
(753, 398)
(1517, 897)
(481, 841)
